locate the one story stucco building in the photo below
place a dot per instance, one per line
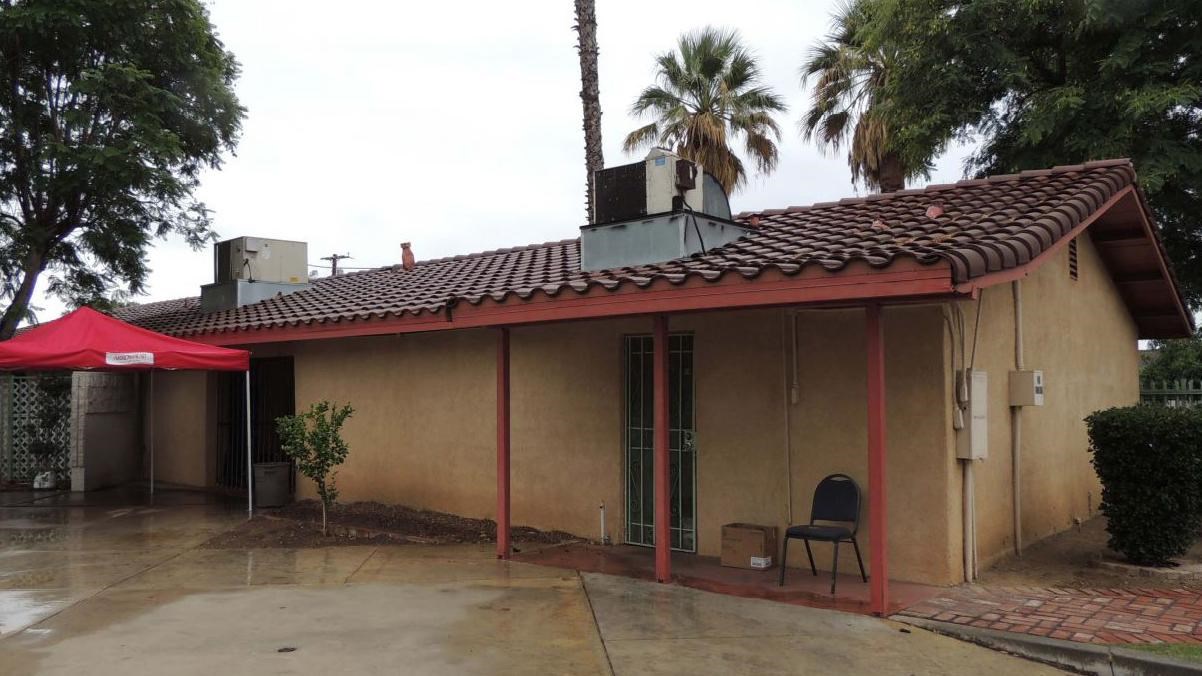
(784, 346)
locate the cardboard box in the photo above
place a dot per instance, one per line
(746, 545)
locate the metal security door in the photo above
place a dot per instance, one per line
(640, 444)
(272, 395)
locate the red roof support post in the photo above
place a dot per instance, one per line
(663, 516)
(503, 548)
(878, 530)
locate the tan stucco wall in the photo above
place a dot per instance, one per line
(1083, 338)
(829, 435)
(423, 433)
(180, 412)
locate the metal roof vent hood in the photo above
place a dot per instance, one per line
(657, 210)
(247, 270)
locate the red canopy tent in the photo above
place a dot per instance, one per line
(86, 340)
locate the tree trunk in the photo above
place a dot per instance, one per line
(590, 94)
(323, 516)
(893, 176)
(15, 312)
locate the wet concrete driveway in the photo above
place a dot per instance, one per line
(95, 586)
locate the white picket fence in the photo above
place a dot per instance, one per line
(1176, 393)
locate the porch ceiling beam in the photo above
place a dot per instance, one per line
(877, 525)
(503, 513)
(663, 515)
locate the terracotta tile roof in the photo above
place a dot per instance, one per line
(978, 226)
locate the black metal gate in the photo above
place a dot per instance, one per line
(272, 394)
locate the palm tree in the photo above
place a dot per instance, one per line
(590, 94)
(848, 102)
(706, 93)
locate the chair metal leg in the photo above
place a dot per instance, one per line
(858, 559)
(810, 556)
(784, 558)
(835, 569)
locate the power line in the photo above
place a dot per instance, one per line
(334, 258)
(348, 267)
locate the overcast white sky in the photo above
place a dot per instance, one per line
(457, 125)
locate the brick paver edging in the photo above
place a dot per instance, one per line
(1081, 615)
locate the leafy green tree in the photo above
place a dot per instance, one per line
(1040, 83)
(707, 93)
(313, 439)
(1174, 360)
(109, 112)
(846, 106)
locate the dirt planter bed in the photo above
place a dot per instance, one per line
(299, 525)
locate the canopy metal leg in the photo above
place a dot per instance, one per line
(150, 392)
(250, 496)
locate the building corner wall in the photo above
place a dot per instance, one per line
(1081, 335)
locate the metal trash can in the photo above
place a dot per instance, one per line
(272, 481)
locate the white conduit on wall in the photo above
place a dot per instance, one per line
(1016, 423)
(954, 320)
(788, 331)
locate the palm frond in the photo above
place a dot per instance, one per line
(641, 138)
(707, 92)
(849, 76)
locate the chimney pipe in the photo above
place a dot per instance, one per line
(407, 260)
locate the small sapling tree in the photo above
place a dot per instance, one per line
(313, 440)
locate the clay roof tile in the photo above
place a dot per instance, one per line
(986, 225)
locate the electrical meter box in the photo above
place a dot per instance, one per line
(977, 446)
(1026, 388)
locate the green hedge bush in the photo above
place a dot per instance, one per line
(1150, 463)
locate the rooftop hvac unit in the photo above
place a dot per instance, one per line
(259, 259)
(662, 183)
(657, 210)
(247, 270)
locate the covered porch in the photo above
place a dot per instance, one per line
(706, 573)
(660, 563)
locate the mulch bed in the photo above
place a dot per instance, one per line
(1071, 559)
(298, 525)
(269, 533)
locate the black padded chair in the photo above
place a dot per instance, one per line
(837, 507)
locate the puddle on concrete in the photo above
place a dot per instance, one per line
(20, 608)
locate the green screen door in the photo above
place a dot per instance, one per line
(640, 440)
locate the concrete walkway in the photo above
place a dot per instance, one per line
(106, 588)
(1099, 616)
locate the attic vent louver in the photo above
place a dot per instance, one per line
(657, 210)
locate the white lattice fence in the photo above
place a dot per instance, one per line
(20, 428)
(1175, 393)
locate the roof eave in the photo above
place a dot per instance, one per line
(858, 283)
(1152, 324)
